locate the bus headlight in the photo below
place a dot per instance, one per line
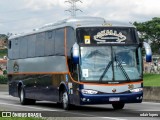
(85, 91)
(136, 90)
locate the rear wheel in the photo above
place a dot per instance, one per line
(23, 100)
(118, 106)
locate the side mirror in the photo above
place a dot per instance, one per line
(148, 52)
(75, 52)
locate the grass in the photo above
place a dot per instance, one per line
(3, 52)
(152, 80)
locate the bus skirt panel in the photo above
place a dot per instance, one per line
(111, 98)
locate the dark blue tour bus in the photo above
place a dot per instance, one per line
(78, 61)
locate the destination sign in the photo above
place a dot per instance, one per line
(106, 36)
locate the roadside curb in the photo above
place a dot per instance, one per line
(154, 101)
(3, 87)
(151, 94)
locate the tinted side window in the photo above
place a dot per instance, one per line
(10, 49)
(23, 47)
(9, 44)
(59, 42)
(31, 45)
(49, 43)
(70, 40)
(40, 44)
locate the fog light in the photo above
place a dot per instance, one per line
(88, 100)
(83, 99)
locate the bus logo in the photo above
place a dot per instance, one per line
(15, 67)
(114, 90)
(130, 86)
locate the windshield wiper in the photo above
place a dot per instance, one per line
(105, 71)
(123, 70)
(120, 66)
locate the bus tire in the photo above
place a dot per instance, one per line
(23, 100)
(118, 106)
(65, 100)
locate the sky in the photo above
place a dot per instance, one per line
(18, 16)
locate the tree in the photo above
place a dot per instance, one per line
(3, 37)
(150, 32)
(3, 41)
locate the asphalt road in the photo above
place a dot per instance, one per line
(49, 109)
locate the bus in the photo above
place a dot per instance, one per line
(77, 61)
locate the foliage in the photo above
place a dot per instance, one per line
(3, 79)
(5, 72)
(3, 52)
(151, 80)
(3, 37)
(150, 30)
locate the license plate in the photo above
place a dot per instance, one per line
(114, 99)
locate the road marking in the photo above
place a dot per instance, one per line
(30, 107)
(112, 118)
(88, 115)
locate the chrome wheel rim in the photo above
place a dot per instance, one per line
(65, 100)
(21, 95)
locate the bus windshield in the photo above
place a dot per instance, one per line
(110, 63)
(109, 54)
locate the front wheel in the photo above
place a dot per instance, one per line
(65, 100)
(118, 106)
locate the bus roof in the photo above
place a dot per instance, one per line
(75, 23)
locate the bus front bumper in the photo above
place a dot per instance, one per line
(111, 98)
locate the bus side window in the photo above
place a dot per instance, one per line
(70, 40)
(15, 50)
(49, 43)
(31, 46)
(59, 42)
(40, 38)
(23, 47)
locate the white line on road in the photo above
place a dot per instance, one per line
(29, 107)
(89, 115)
(111, 118)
